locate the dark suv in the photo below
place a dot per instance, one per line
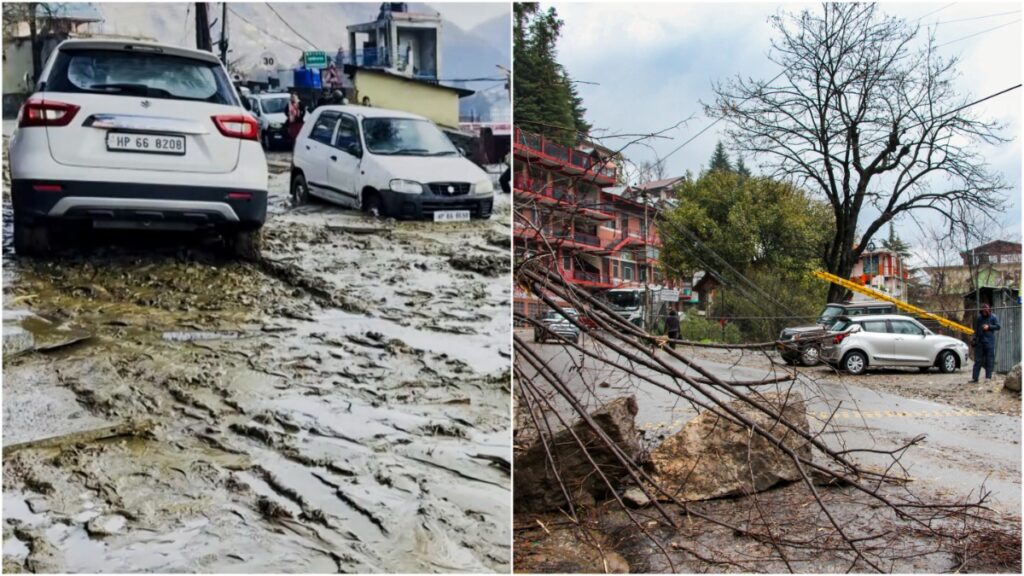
(803, 343)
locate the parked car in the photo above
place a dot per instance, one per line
(557, 321)
(863, 342)
(271, 111)
(803, 343)
(125, 134)
(387, 163)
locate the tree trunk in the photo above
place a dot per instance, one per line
(37, 46)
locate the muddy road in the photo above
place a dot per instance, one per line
(341, 405)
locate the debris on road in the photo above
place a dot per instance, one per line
(538, 489)
(712, 457)
(1012, 382)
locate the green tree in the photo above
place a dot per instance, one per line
(720, 159)
(769, 232)
(896, 244)
(544, 96)
(741, 168)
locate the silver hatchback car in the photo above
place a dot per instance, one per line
(864, 342)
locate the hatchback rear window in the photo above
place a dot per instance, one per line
(147, 74)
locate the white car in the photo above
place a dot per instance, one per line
(388, 163)
(137, 135)
(864, 342)
(271, 111)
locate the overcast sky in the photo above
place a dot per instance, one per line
(655, 63)
(468, 14)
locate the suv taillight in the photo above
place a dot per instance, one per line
(46, 113)
(240, 126)
(839, 338)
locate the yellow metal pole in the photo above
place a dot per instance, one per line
(906, 307)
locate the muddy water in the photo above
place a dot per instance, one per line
(341, 406)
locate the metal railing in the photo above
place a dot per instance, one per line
(564, 154)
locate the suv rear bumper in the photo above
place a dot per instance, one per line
(416, 206)
(121, 202)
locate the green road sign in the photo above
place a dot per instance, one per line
(317, 60)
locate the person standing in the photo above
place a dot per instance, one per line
(985, 327)
(295, 117)
(672, 328)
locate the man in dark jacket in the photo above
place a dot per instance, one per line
(985, 327)
(672, 327)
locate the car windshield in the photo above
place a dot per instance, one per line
(148, 74)
(406, 137)
(624, 300)
(559, 316)
(841, 325)
(829, 315)
(274, 105)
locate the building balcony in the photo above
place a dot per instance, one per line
(536, 148)
(561, 196)
(587, 279)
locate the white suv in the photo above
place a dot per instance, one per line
(389, 163)
(125, 134)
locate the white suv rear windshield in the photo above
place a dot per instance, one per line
(147, 74)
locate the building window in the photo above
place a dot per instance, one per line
(627, 272)
(566, 262)
(615, 269)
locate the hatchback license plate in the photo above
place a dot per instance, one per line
(451, 216)
(145, 143)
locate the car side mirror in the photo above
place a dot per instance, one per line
(354, 149)
(462, 151)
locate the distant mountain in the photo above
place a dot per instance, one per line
(254, 28)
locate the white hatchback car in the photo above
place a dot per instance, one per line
(880, 340)
(271, 111)
(389, 163)
(137, 135)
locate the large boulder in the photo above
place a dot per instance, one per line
(536, 484)
(712, 457)
(1012, 381)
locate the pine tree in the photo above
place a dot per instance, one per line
(545, 98)
(720, 159)
(741, 168)
(895, 244)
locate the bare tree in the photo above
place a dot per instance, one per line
(867, 120)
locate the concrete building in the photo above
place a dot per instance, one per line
(568, 198)
(395, 62)
(883, 270)
(54, 24)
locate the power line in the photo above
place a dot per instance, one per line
(978, 33)
(296, 32)
(271, 34)
(935, 11)
(977, 17)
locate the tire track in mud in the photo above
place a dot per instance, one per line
(303, 445)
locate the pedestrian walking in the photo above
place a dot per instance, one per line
(985, 327)
(672, 328)
(296, 115)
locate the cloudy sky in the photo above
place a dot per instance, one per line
(654, 64)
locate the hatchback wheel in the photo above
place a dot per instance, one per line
(372, 204)
(811, 356)
(300, 190)
(31, 239)
(947, 362)
(855, 363)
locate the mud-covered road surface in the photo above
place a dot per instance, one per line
(341, 405)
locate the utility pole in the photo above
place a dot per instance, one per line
(224, 34)
(202, 28)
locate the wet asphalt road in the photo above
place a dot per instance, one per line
(341, 405)
(963, 451)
